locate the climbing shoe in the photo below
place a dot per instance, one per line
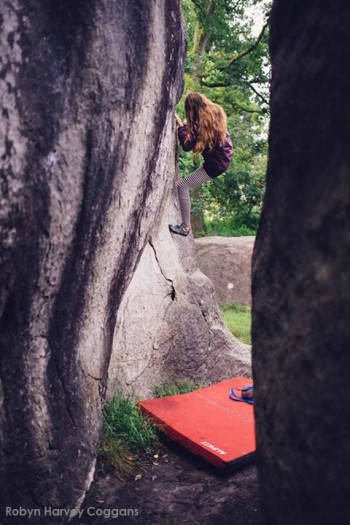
(179, 229)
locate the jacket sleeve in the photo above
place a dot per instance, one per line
(189, 144)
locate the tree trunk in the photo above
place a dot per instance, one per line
(199, 49)
(301, 279)
(95, 294)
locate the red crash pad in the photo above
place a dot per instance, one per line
(208, 423)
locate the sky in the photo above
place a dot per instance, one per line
(257, 15)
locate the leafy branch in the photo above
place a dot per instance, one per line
(228, 84)
(239, 56)
(259, 95)
(246, 51)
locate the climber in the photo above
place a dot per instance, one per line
(205, 132)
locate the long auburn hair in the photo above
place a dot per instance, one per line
(207, 120)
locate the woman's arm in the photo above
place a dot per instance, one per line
(187, 141)
(178, 121)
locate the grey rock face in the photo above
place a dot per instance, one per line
(301, 279)
(169, 325)
(227, 262)
(87, 89)
(87, 171)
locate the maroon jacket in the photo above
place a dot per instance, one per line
(216, 160)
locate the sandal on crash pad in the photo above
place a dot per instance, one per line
(247, 395)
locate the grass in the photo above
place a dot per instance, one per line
(183, 386)
(238, 320)
(227, 228)
(127, 436)
(123, 419)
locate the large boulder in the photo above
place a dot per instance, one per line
(301, 278)
(227, 262)
(95, 295)
(169, 325)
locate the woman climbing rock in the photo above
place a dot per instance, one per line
(204, 132)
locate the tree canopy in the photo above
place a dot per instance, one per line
(227, 60)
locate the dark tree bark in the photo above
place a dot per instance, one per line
(301, 278)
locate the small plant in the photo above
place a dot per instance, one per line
(129, 438)
(183, 386)
(123, 419)
(238, 320)
(127, 435)
(118, 456)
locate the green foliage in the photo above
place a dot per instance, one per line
(230, 66)
(117, 455)
(123, 419)
(219, 33)
(238, 320)
(227, 228)
(183, 386)
(126, 436)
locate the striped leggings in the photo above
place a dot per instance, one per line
(196, 178)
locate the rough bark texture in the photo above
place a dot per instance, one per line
(87, 172)
(301, 279)
(227, 262)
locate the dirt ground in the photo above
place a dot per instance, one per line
(177, 488)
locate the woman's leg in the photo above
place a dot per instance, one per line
(196, 178)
